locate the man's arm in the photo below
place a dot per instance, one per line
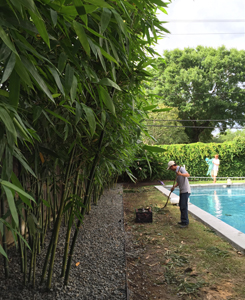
(186, 174)
(173, 187)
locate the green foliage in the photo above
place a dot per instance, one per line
(146, 166)
(204, 84)
(165, 131)
(229, 136)
(231, 155)
(70, 101)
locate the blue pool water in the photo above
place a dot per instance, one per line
(225, 203)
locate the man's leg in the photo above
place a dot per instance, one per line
(183, 204)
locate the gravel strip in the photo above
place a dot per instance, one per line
(100, 252)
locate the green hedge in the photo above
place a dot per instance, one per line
(231, 155)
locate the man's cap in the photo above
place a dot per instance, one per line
(170, 164)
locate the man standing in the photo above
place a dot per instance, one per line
(185, 190)
(215, 170)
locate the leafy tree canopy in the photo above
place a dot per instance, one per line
(165, 128)
(229, 136)
(204, 84)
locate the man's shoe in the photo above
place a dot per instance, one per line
(180, 223)
(183, 226)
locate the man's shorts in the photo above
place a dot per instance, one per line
(214, 173)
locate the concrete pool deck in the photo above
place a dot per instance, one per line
(235, 237)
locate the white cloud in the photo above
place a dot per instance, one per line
(203, 10)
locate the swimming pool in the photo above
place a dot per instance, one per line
(223, 202)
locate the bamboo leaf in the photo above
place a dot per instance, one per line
(33, 71)
(108, 56)
(149, 107)
(21, 70)
(40, 25)
(37, 110)
(82, 36)
(22, 129)
(95, 33)
(14, 87)
(29, 4)
(3, 252)
(109, 82)
(101, 58)
(56, 115)
(15, 188)
(54, 16)
(68, 78)
(100, 3)
(153, 148)
(106, 98)
(2, 147)
(62, 61)
(161, 109)
(17, 4)
(4, 52)
(11, 204)
(57, 79)
(45, 203)
(16, 182)
(78, 112)
(73, 90)
(103, 117)
(7, 41)
(114, 51)
(90, 118)
(105, 19)
(4, 93)
(8, 163)
(120, 22)
(21, 237)
(9, 67)
(7, 121)
(79, 7)
(23, 162)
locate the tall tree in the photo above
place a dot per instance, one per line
(164, 127)
(204, 84)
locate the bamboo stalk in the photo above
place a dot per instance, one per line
(32, 257)
(54, 197)
(20, 243)
(36, 242)
(25, 251)
(4, 241)
(86, 199)
(68, 233)
(54, 239)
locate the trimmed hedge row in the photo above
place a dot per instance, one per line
(231, 155)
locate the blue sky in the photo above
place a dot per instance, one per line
(216, 10)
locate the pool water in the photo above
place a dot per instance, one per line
(223, 202)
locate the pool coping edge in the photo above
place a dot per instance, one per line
(235, 237)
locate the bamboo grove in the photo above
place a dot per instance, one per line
(71, 106)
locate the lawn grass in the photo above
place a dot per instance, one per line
(194, 261)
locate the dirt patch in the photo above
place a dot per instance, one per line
(166, 262)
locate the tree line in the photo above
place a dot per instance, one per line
(206, 88)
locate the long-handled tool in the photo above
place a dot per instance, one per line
(170, 190)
